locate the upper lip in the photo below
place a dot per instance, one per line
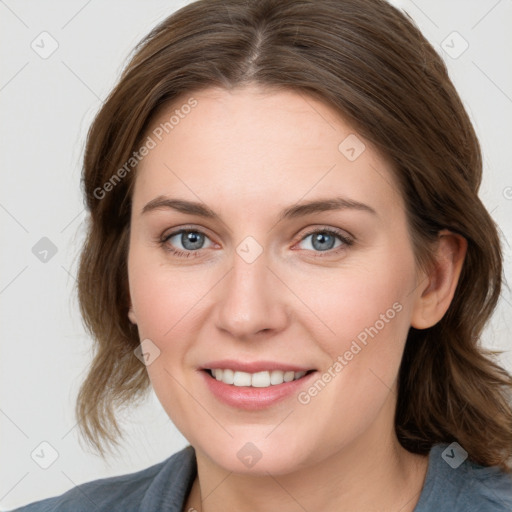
(253, 366)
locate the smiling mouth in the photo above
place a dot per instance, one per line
(262, 379)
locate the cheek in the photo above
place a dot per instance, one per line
(163, 300)
(360, 304)
(365, 319)
(366, 315)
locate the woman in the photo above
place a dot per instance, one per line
(285, 229)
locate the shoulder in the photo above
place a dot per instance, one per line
(139, 491)
(454, 483)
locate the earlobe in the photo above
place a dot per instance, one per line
(436, 295)
(131, 316)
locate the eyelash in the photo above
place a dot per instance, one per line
(347, 242)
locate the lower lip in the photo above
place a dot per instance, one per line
(249, 398)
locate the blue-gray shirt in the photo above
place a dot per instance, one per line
(450, 486)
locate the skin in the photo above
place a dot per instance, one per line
(247, 154)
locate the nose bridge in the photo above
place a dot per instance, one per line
(250, 301)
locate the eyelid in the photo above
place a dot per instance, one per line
(344, 235)
(169, 233)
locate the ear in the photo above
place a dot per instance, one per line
(436, 295)
(131, 315)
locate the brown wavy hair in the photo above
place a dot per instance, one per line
(368, 61)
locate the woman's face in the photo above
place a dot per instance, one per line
(259, 288)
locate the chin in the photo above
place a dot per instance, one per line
(257, 455)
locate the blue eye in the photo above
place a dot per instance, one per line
(191, 240)
(324, 240)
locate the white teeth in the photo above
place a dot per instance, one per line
(228, 376)
(257, 380)
(260, 380)
(288, 376)
(276, 377)
(241, 379)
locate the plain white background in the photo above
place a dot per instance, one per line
(47, 105)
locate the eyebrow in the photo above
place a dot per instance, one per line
(292, 212)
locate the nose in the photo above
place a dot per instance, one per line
(251, 300)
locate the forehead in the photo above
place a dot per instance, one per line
(252, 145)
